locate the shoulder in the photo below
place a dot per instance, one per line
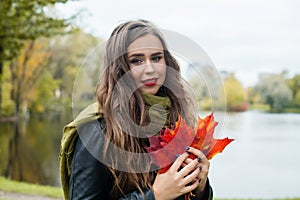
(93, 126)
(91, 137)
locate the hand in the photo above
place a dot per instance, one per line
(203, 165)
(177, 180)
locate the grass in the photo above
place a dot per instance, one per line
(50, 191)
(29, 188)
(260, 107)
(266, 108)
(261, 199)
(292, 110)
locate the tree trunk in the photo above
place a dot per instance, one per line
(1, 74)
(20, 81)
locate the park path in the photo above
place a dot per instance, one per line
(17, 196)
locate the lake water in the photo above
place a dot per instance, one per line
(29, 150)
(262, 162)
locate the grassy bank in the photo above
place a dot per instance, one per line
(260, 107)
(266, 108)
(292, 110)
(55, 192)
(29, 188)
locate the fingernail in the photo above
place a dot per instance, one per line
(199, 159)
(200, 168)
(187, 148)
(177, 155)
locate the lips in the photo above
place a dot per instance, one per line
(150, 82)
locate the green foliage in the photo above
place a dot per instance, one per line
(294, 84)
(202, 97)
(44, 93)
(253, 96)
(236, 98)
(274, 91)
(297, 98)
(25, 70)
(71, 50)
(206, 86)
(21, 20)
(8, 105)
(76, 62)
(42, 78)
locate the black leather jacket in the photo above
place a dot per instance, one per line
(91, 180)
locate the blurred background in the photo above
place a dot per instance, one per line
(51, 53)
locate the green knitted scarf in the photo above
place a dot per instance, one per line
(157, 110)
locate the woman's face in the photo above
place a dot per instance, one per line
(147, 63)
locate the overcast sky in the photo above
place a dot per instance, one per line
(246, 37)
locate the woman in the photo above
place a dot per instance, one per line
(140, 91)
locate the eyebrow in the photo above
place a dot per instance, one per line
(140, 54)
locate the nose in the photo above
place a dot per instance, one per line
(149, 67)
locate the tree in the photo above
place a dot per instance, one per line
(206, 86)
(200, 92)
(274, 91)
(253, 96)
(8, 105)
(73, 54)
(294, 84)
(42, 96)
(297, 98)
(236, 98)
(26, 70)
(22, 20)
(42, 77)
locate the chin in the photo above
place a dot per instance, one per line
(149, 90)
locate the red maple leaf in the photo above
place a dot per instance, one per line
(171, 142)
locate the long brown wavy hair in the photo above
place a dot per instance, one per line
(120, 103)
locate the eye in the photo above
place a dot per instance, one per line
(135, 61)
(156, 58)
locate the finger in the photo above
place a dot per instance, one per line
(197, 153)
(202, 183)
(188, 160)
(192, 176)
(178, 162)
(184, 164)
(191, 187)
(189, 168)
(203, 171)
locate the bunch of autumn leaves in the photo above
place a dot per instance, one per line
(171, 142)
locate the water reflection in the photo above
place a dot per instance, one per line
(29, 149)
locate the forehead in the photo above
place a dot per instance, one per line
(146, 42)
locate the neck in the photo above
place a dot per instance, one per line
(157, 110)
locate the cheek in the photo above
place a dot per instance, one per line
(136, 73)
(162, 73)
